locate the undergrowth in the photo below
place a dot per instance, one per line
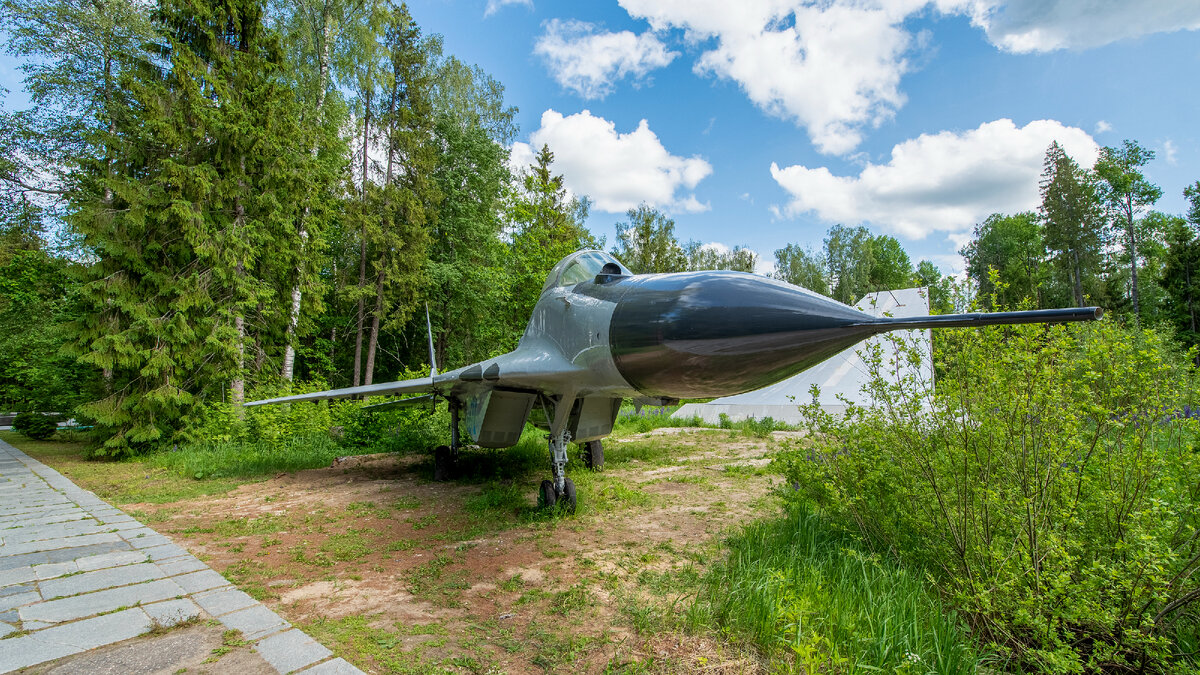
(813, 601)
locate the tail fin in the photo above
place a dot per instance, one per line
(429, 330)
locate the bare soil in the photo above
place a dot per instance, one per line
(400, 574)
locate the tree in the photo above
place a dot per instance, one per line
(710, 257)
(191, 222)
(1181, 271)
(890, 266)
(646, 244)
(321, 36)
(848, 257)
(37, 291)
(397, 231)
(1126, 193)
(74, 56)
(802, 267)
(1072, 216)
(1014, 247)
(941, 288)
(467, 258)
(547, 226)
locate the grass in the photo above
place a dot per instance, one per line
(193, 470)
(812, 601)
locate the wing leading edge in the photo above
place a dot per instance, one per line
(418, 385)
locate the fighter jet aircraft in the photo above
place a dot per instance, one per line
(600, 334)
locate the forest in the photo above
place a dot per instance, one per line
(206, 200)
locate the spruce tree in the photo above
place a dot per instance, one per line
(195, 247)
(1073, 221)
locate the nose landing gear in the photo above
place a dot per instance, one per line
(561, 490)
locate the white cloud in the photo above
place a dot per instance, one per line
(832, 67)
(1024, 26)
(616, 170)
(494, 6)
(1170, 152)
(589, 62)
(943, 182)
(1103, 127)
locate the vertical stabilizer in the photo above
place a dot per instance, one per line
(429, 332)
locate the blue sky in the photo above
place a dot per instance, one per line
(764, 122)
(969, 94)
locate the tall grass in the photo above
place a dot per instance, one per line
(813, 601)
(243, 459)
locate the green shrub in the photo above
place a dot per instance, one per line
(34, 425)
(1048, 485)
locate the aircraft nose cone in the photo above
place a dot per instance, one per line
(708, 334)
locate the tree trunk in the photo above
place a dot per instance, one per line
(371, 348)
(289, 352)
(1077, 274)
(1133, 266)
(358, 337)
(237, 386)
(362, 249)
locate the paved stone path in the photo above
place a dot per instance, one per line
(77, 573)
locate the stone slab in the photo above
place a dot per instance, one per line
(224, 601)
(338, 666)
(79, 606)
(113, 559)
(100, 579)
(291, 650)
(255, 622)
(200, 581)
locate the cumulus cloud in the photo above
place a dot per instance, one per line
(1024, 26)
(1103, 127)
(588, 62)
(616, 170)
(943, 182)
(1170, 152)
(834, 66)
(494, 6)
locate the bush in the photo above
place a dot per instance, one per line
(35, 425)
(1048, 485)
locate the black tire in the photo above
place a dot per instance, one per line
(567, 499)
(593, 455)
(546, 495)
(443, 463)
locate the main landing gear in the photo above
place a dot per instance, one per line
(446, 456)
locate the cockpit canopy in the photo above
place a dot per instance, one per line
(583, 266)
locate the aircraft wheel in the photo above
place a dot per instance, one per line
(546, 496)
(443, 463)
(567, 498)
(593, 455)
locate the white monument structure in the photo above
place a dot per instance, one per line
(841, 377)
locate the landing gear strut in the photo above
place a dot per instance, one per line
(446, 456)
(561, 490)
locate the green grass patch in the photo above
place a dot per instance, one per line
(814, 602)
(348, 545)
(246, 459)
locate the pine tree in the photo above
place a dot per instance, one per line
(1181, 271)
(1071, 212)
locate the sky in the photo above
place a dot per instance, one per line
(762, 123)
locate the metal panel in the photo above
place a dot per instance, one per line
(504, 419)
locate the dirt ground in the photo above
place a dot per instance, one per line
(400, 574)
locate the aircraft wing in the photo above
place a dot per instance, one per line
(418, 385)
